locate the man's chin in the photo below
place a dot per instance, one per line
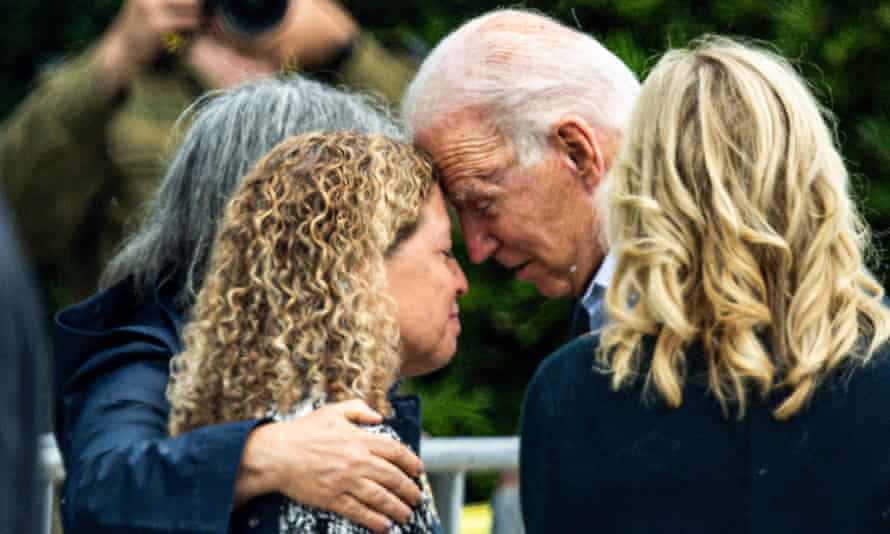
(553, 289)
(549, 287)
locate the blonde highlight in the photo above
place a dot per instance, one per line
(730, 216)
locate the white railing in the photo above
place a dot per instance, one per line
(52, 473)
(447, 460)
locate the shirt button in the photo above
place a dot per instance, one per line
(253, 522)
(762, 471)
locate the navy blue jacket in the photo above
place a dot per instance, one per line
(124, 474)
(594, 460)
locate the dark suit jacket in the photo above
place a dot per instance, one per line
(594, 460)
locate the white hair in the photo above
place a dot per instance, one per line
(229, 130)
(523, 71)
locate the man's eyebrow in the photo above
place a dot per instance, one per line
(470, 190)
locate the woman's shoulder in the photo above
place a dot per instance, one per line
(871, 377)
(579, 352)
(570, 371)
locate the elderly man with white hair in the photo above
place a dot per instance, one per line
(523, 117)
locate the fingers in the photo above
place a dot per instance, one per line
(165, 16)
(397, 486)
(175, 22)
(356, 411)
(352, 509)
(381, 501)
(182, 7)
(333, 464)
(396, 453)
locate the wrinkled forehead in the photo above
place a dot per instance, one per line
(469, 154)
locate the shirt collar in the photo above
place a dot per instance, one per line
(601, 279)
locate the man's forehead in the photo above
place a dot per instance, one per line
(468, 154)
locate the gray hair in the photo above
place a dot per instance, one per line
(523, 71)
(230, 131)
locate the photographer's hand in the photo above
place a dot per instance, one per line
(310, 35)
(135, 37)
(324, 460)
(315, 32)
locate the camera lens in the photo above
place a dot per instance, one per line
(251, 17)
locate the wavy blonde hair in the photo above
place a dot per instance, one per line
(294, 304)
(729, 212)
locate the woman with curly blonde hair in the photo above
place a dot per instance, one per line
(331, 277)
(742, 315)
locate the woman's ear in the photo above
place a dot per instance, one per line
(578, 142)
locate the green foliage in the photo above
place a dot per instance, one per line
(450, 409)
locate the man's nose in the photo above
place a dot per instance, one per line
(480, 243)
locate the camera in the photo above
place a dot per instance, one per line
(248, 18)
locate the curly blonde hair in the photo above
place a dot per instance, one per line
(729, 213)
(294, 304)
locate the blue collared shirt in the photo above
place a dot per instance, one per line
(593, 296)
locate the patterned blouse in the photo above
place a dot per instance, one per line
(296, 518)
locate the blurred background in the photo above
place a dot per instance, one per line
(841, 47)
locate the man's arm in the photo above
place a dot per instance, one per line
(126, 475)
(321, 37)
(54, 158)
(368, 66)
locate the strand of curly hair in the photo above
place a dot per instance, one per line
(733, 229)
(294, 303)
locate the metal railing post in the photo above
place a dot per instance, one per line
(51, 474)
(448, 493)
(448, 459)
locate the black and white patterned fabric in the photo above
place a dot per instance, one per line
(297, 518)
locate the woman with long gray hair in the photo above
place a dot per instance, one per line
(113, 354)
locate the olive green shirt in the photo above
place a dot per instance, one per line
(78, 164)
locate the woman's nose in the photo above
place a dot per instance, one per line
(461, 284)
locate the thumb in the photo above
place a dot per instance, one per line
(356, 411)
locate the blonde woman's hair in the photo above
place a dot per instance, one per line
(294, 304)
(729, 212)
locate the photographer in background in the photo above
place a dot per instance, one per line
(103, 118)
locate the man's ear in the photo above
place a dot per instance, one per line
(578, 142)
